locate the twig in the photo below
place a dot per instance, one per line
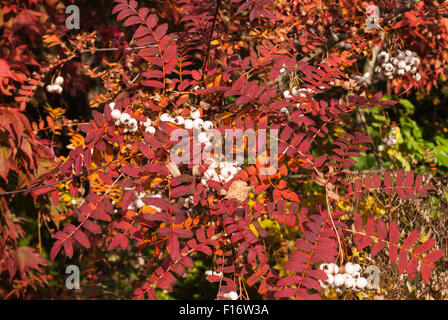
(118, 49)
(341, 252)
(205, 64)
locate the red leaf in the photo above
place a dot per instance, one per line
(400, 178)
(153, 83)
(82, 239)
(132, 20)
(173, 247)
(409, 242)
(408, 183)
(393, 251)
(434, 256)
(289, 281)
(402, 261)
(147, 151)
(394, 233)
(381, 229)
(161, 31)
(92, 227)
(55, 249)
(427, 245)
(376, 181)
(182, 233)
(412, 267)
(100, 215)
(290, 195)
(153, 74)
(203, 248)
(377, 247)
(370, 226)
(253, 279)
(68, 248)
(425, 270)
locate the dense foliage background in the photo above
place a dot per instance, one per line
(362, 165)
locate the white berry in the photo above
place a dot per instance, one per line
(179, 120)
(339, 280)
(331, 267)
(295, 91)
(232, 295)
(233, 170)
(57, 88)
(165, 117)
(226, 172)
(197, 123)
(330, 279)
(324, 267)
(361, 283)
(287, 94)
(147, 123)
(350, 283)
(383, 57)
(125, 118)
(115, 114)
(388, 67)
(59, 80)
(188, 124)
(401, 55)
(195, 114)
(202, 137)
(207, 125)
(335, 269)
(350, 268)
(139, 203)
(285, 110)
(150, 130)
(132, 123)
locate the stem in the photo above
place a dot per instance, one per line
(205, 64)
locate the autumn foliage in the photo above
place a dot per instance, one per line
(77, 181)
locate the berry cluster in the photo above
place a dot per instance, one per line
(195, 121)
(138, 202)
(362, 80)
(348, 277)
(57, 86)
(343, 45)
(218, 169)
(397, 65)
(232, 295)
(227, 170)
(131, 124)
(213, 273)
(296, 92)
(390, 140)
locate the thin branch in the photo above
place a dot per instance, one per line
(117, 49)
(205, 63)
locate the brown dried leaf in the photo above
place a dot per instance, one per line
(238, 190)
